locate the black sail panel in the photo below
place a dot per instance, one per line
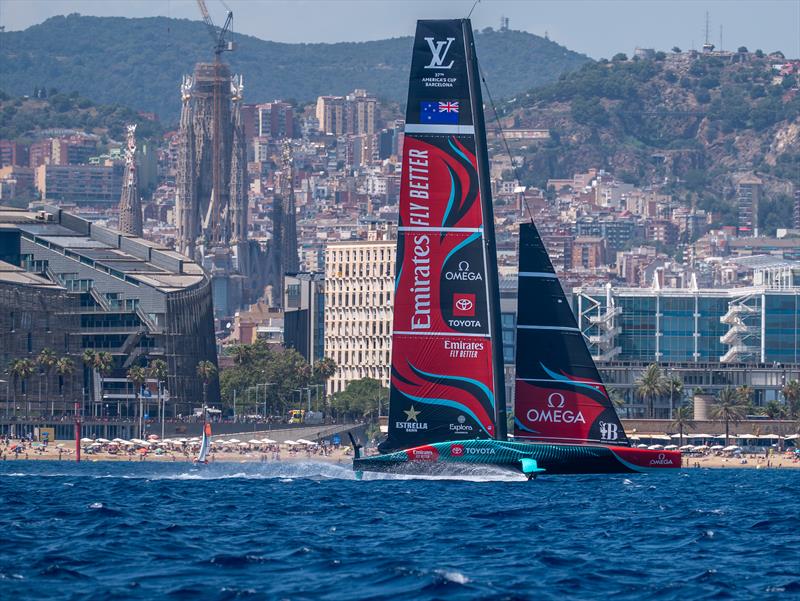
(444, 356)
(559, 395)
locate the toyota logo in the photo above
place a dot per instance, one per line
(555, 400)
(464, 304)
(463, 266)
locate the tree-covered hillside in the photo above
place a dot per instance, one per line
(139, 62)
(697, 121)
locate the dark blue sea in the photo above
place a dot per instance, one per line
(310, 531)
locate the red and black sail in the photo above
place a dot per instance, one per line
(559, 396)
(446, 381)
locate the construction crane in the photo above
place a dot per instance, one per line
(220, 43)
(218, 202)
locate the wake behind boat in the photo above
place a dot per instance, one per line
(447, 401)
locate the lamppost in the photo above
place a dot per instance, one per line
(265, 385)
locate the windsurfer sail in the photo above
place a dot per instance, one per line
(205, 443)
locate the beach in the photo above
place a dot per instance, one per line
(65, 451)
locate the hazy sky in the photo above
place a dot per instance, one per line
(595, 27)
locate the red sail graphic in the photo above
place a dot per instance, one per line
(443, 357)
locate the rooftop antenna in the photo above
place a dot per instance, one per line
(708, 46)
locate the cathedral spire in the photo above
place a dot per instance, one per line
(130, 205)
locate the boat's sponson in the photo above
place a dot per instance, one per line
(463, 456)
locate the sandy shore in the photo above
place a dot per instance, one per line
(51, 453)
(343, 456)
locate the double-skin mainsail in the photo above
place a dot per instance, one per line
(447, 369)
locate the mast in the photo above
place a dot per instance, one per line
(490, 248)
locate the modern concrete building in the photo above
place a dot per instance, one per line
(69, 285)
(748, 197)
(359, 294)
(80, 184)
(304, 314)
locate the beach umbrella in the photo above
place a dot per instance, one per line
(655, 447)
(152, 437)
(677, 436)
(717, 447)
(234, 441)
(633, 437)
(687, 447)
(304, 441)
(732, 447)
(289, 442)
(670, 447)
(60, 446)
(118, 440)
(641, 446)
(267, 441)
(243, 444)
(253, 441)
(746, 436)
(87, 439)
(103, 440)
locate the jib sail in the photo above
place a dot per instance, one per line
(446, 381)
(559, 396)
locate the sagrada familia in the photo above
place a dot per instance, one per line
(212, 195)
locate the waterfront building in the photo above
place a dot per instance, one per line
(359, 292)
(86, 287)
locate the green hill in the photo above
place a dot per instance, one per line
(696, 121)
(139, 62)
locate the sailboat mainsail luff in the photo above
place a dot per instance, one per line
(447, 378)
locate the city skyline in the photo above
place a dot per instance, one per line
(767, 25)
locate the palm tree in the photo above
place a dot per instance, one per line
(241, 353)
(64, 367)
(46, 360)
(103, 363)
(774, 410)
(745, 394)
(88, 358)
(650, 386)
(676, 389)
(683, 419)
(159, 372)
(728, 408)
(791, 393)
(21, 370)
(137, 376)
(207, 371)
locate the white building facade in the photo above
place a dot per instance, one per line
(359, 295)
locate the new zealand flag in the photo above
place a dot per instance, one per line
(439, 112)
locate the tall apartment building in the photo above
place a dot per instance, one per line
(276, 120)
(359, 295)
(797, 207)
(351, 114)
(748, 196)
(80, 183)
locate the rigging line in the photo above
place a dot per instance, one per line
(503, 137)
(473, 8)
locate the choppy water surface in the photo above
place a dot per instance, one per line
(309, 531)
